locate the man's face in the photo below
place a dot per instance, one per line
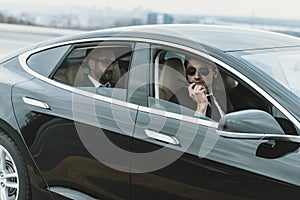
(198, 71)
(102, 65)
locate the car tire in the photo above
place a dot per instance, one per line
(14, 181)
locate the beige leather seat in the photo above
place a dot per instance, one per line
(75, 75)
(72, 74)
(230, 83)
(172, 78)
(61, 78)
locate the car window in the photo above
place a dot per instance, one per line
(100, 68)
(240, 96)
(45, 61)
(231, 93)
(171, 67)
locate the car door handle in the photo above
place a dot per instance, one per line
(162, 137)
(35, 102)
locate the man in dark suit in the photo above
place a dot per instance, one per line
(202, 95)
(101, 63)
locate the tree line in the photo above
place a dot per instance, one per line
(13, 20)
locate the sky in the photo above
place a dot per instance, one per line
(284, 9)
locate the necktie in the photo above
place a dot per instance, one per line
(214, 110)
(218, 106)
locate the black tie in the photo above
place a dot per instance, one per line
(212, 110)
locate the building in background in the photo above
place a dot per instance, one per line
(159, 18)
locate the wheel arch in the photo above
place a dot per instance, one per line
(32, 169)
(15, 136)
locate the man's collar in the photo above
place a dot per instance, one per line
(97, 83)
(210, 94)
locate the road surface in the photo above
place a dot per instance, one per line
(14, 37)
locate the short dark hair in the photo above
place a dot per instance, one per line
(201, 59)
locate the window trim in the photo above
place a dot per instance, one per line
(156, 75)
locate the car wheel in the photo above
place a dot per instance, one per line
(14, 181)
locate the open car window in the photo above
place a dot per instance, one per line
(170, 78)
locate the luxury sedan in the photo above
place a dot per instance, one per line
(152, 112)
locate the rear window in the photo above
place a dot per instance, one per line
(45, 61)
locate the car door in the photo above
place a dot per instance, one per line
(78, 135)
(181, 156)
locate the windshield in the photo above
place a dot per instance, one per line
(282, 64)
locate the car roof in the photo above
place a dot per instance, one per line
(224, 38)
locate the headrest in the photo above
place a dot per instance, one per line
(176, 64)
(230, 82)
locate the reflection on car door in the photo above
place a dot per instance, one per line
(183, 157)
(68, 140)
(205, 166)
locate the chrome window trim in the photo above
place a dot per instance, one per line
(23, 58)
(185, 118)
(156, 75)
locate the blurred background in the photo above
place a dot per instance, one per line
(23, 22)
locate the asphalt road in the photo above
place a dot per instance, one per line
(14, 37)
(11, 41)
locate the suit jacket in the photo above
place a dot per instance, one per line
(182, 98)
(86, 82)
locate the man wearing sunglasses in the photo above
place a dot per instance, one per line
(199, 95)
(101, 63)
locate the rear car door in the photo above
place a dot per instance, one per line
(77, 135)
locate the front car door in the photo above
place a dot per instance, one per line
(182, 156)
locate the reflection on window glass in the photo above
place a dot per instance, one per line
(97, 68)
(45, 61)
(283, 66)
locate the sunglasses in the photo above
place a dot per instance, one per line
(191, 71)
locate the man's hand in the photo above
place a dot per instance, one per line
(198, 93)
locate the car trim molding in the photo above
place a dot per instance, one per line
(185, 118)
(261, 136)
(23, 58)
(233, 135)
(69, 193)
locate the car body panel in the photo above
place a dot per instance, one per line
(216, 161)
(12, 74)
(55, 138)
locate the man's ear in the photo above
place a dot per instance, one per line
(91, 64)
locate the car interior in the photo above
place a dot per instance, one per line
(74, 69)
(169, 74)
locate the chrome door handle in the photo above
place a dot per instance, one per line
(162, 137)
(34, 102)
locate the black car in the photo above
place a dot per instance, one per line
(61, 139)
